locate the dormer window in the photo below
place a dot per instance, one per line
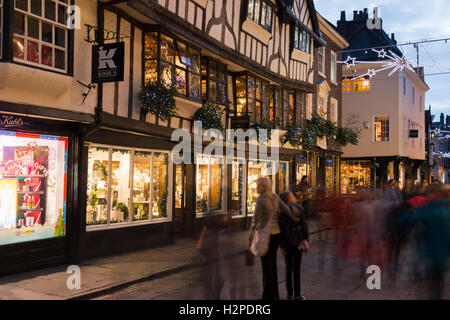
(260, 12)
(302, 40)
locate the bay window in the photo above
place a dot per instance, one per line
(41, 33)
(302, 40)
(252, 97)
(126, 185)
(260, 11)
(214, 81)
(173, 62)
(209, 193)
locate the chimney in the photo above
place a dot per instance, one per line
(393, 37)
(355, 15)
(442, 119)
(447, 121)
(343, 18)
(366, 14)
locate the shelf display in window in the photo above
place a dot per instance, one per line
(32, 186)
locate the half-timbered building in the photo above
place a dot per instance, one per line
(110, 183)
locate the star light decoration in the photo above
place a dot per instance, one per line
(442, 155)
(394, 62)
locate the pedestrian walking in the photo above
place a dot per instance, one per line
(294, 240)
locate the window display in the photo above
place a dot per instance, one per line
(256, 170)
(355, 175)
(283, 177)
(145, 201)
(33, 180)
(209, 185)
(329, 174)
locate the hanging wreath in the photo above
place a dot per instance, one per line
(210, 115)
(158, 99)
(263, 129)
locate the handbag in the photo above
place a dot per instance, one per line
(260, 243)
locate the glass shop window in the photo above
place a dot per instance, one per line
(126, 186)
(237, 188)
(41, 33)
(173, 62)
(209, 195)
(256, 170)
(33, 182)
(283, 177)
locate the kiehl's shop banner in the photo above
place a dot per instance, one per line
(108, 62)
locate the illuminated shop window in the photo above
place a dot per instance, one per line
(214, 81)
(355, 176)
(41, 33)
(260, 11)
(111, 172)
(237, 188)
(381, 127)
(33, 181)
(329, 174)
(256, 170)
(252, 97)
(313, 164)
(358, 85)
(209, 185)
(173, 62)
(302, 40)
(283, 177)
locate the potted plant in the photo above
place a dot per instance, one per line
(158, 99)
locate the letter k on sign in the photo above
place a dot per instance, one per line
(105, 58)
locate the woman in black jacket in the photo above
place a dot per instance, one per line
(294, 240)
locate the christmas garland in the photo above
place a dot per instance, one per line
(293, 135)
(210, 115)
(158, 99)
(263, 124)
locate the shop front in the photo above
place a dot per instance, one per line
(128, 193)
(356, 175)
(35, 191)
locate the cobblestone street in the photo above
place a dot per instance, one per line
(323, 278)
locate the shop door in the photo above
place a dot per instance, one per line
(180, 191)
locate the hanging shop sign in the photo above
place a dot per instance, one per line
(413, 133)
(240, 123)
(108, 62)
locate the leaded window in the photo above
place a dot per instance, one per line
(214, 81)
(252, 97)
(173, 62)
(41, 33)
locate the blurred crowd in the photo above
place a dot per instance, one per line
(404, 232)
(378, 227)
